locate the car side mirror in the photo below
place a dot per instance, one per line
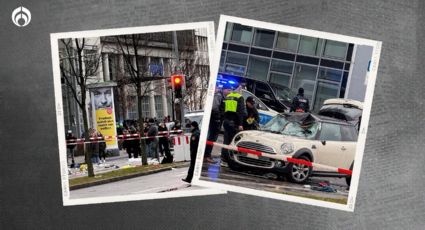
(323, 142)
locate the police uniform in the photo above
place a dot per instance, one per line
(234, 112)
(300, 104)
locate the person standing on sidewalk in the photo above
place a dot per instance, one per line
(94, 145)
(71, 140)
(102, 148)
(194, 143)
(164, 147)
(234, 112)
(152, 139)
(216, 121)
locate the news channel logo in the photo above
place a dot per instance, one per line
(21, 16)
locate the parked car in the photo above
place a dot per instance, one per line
(344, 109)
(305, 136)
(193, 116)
(264, 91)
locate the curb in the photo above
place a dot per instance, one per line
(115, 179)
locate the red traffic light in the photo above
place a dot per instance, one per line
(177, 81)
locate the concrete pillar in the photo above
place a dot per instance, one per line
(151, 93)
(164, 91)
(105, 67)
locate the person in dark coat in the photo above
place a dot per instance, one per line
(234, 112)
(300, 103)
(194, 142)
(102, 148)
(94, 146)
(71, 140)
(152, 141)
(163, 144)
(216, 121)
(251, 119)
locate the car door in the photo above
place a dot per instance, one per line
(349, 139)
(330, 147)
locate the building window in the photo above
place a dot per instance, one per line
(114, 66)
(334, 49)
(142, 64)
(155, 67)
(222, 60)
(258, 68)
(330, 74)
(304, 77)
(324, 91)
(228, 32)
(241, 34)
(158, 107)
(235, 69)
(282, 66)
(264, 38)
(287, 41)
(132, 113)
(145, 107)
(236, 58)
(128, 64)
(280, 79)
(310, 46)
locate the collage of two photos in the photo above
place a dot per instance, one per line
(264, 109)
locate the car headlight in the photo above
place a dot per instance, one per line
(238, 137)
(286, 148)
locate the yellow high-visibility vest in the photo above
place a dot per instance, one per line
(231, 102)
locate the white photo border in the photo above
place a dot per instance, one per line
(371, 80)
(54, 37)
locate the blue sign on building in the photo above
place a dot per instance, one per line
(156, 69)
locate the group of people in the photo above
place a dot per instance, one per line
(232, 112)
(97, 146)
(156, 139)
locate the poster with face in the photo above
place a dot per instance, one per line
(102, 99)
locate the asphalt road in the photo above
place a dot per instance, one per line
(159, 182)
(216, 173)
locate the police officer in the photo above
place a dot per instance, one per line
(216, 121)
(300, 103)
(234, 112)
(194, 143)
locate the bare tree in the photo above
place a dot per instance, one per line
(197, 74)
(78, 64)
(134, 48)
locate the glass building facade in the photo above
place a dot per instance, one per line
(320, 66)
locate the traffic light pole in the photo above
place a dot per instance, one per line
(176, 53)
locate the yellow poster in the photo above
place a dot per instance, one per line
(106, 124)
(104, 115)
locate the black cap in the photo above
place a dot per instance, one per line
(194, 124)
(250, 99)
(300, 91)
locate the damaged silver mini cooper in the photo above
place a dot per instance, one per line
(305, 136)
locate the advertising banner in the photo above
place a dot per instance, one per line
(102, 100)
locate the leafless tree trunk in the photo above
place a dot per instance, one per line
(78, 66)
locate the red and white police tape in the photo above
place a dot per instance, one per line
(281, 157)
(135, 136)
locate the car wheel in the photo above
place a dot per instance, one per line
(299, 173)
(348, 178)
